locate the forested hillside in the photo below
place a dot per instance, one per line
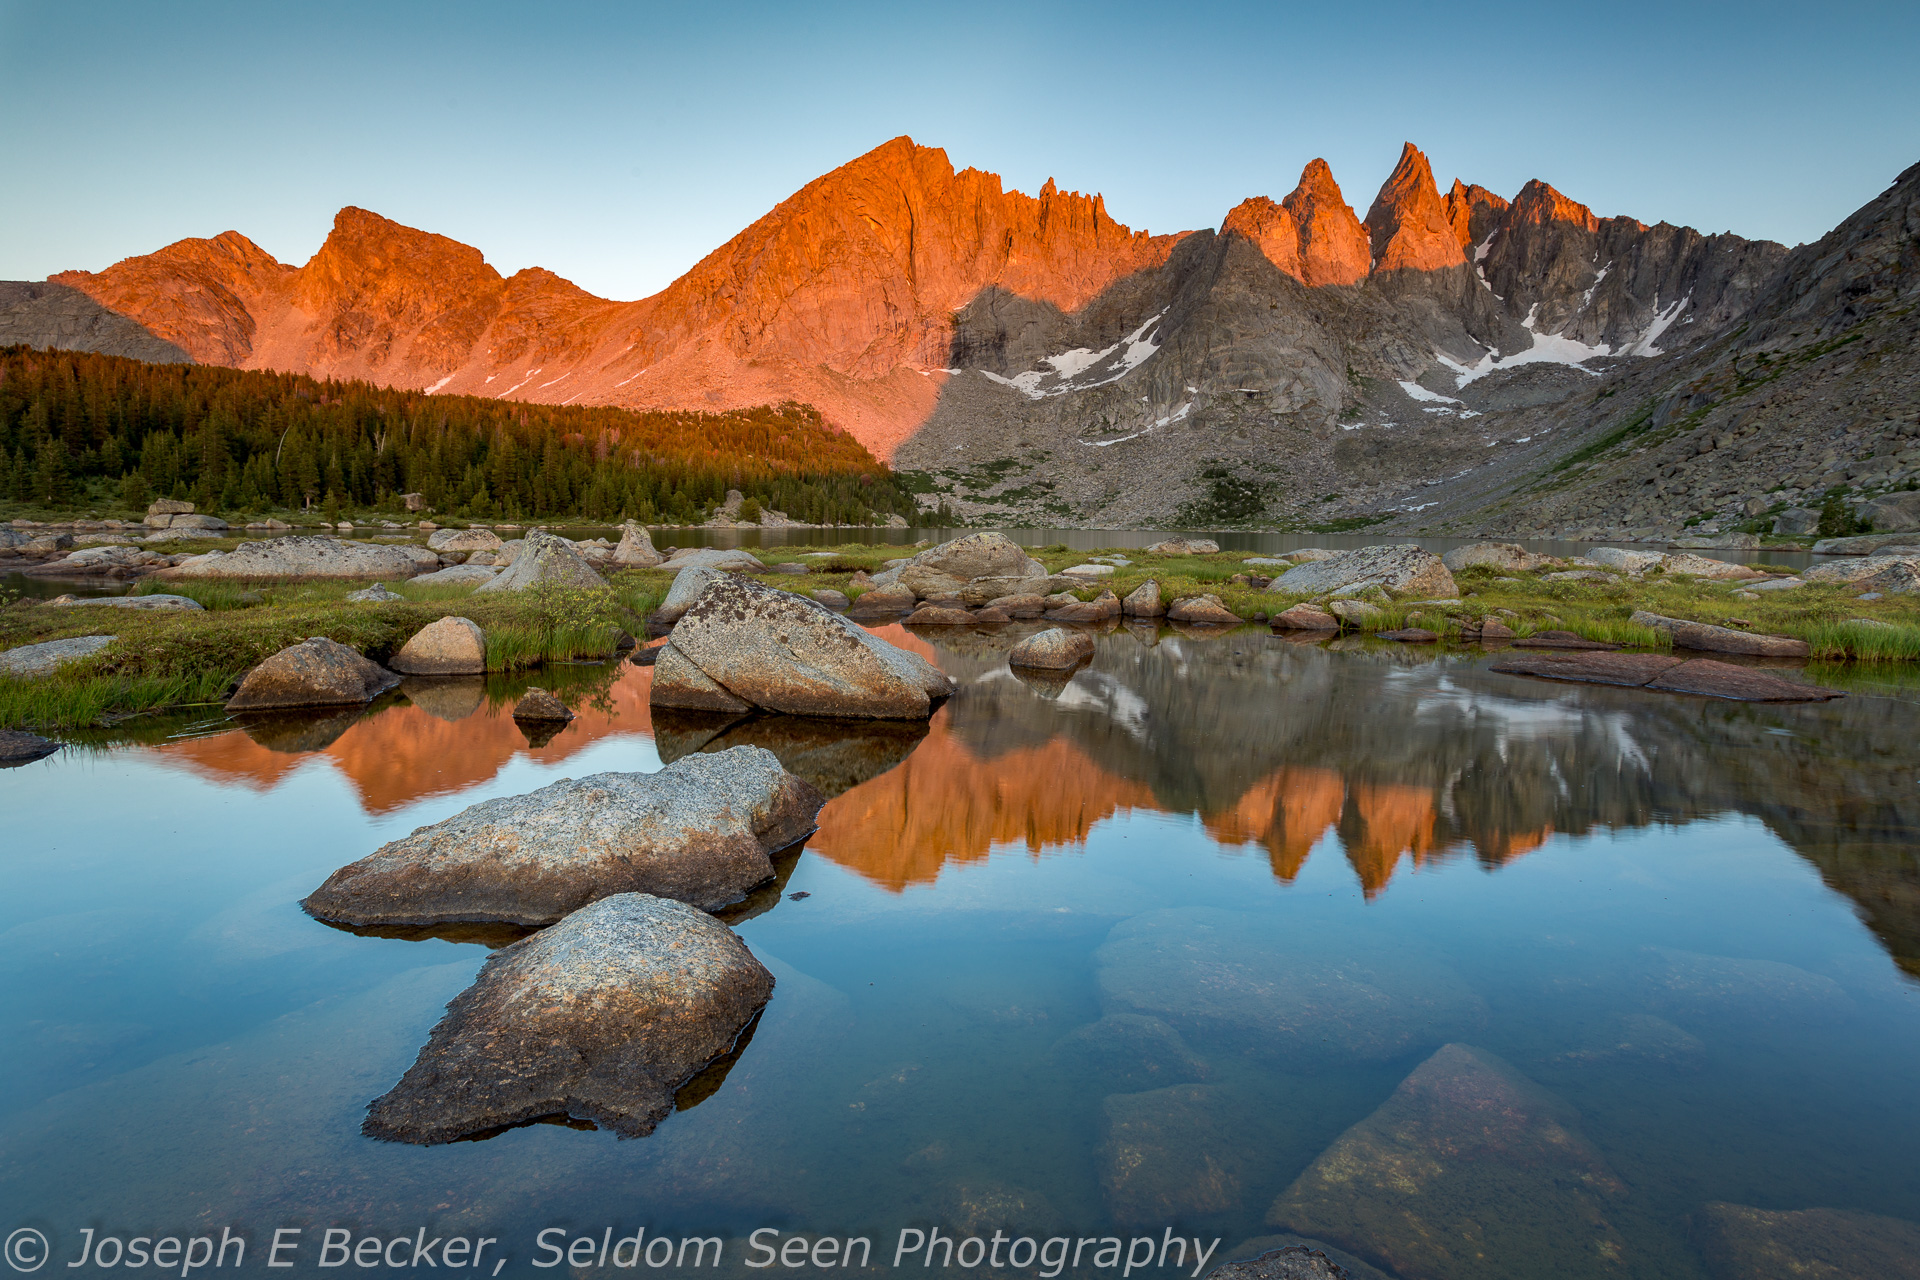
(78, 429)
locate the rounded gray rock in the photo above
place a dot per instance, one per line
(601, 1017)
(317, 672)
(1055, 649)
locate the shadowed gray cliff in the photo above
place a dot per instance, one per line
(701, 830)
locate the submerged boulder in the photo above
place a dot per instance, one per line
(317, 672)
(600, 1018)
(544, 559)
(1226, 980)
(1740, 1242)
(444, 647)
(1127, 1052)
(307, 557)
(1055, 649)
(1406, 571)
(783, 652)
(1469, 1169)
(701, 830)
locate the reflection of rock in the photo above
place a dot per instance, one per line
(1227, 978)
(1127, 1053)
(296, 731)
(1743, 1243)
(1048, 684)
(451, 700)
(539, 733)
(601, 1017)
(1170, 1154)
(1469, 1169)
(700, 830)
(17, 747)
(832, 756)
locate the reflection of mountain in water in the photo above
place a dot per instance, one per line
(1402, 753)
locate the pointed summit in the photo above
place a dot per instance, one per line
(1408, 224)
(1473, 212)
(1540, 204)
(1271, 228)
(1333, 244)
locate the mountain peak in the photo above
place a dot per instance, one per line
(1333, 244)
(1408, 225)
(1473, 212)
(1539, 203)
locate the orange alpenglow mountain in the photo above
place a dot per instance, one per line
(844, 296)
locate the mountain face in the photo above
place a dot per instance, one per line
(1039, 361)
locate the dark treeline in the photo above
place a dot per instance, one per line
(79, 429)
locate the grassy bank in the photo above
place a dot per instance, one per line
(171, 658)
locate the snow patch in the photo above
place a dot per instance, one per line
(1662, 320)
(523, 382)
(1587, 297)
(436, 386)
(629, 378)
(1106, 366)
(1417, 392)
(1167, 421)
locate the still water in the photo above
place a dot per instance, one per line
(1454, 972)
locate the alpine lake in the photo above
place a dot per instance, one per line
(1239, 937)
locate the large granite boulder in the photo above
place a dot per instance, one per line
(1144, 601)
(783, 652)
(1404, 571)
(601, 1017)
(702, 830)
(687, 587)
(979, 555)
(1796, 522)
(1622, 560)
(317, 672)
(1184, 547)
(544, 559)
(1229, 982)
(1710, 638)
(1855, 569)
(1469, 1169)
(1740, 1242)
(1508, 557)
(1055, 649)
(1893, 513)
(445, 647)
(636, 549)
(1682, 562)
(713, 558)
(44, 658)
(467, 540)
(305, 557)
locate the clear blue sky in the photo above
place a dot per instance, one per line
(618, 143)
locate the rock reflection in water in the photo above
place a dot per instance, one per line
(833, 755)
(296, 732)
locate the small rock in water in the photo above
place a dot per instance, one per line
(1055, 649)
(600, 1017)
(17, 747)
(701, 830)
(537, 704)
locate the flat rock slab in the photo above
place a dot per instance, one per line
(1408, 635)
(1560, 640)
(714, 558)
(702, 830)
(1184, 547)
(307, 557)
(783, 652)
(43, 658)
(1745, 684)
(1710, 638)
(1467, 1163)
(17, 747)
(1227, 981)
(1171, 1154)
(317, 672)
(1630, 669)
(185, 603)
(458, 575)
(1740, 1242)
(601, 1018)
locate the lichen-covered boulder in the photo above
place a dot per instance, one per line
(444, 647)
(1144, 601)
(544, 559)
(702, 830)
(466, 540)
(687, 586)
(307, 557)
(1184, 547)
(1407, 571)
(317, 672)
(636, 549)
(979, 555)
(1207, 609)
(1054, 650)
(1510, 557)
(601, 1018)
(783, 652)
(1306, 617)
(713, 558)
(43, 658)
